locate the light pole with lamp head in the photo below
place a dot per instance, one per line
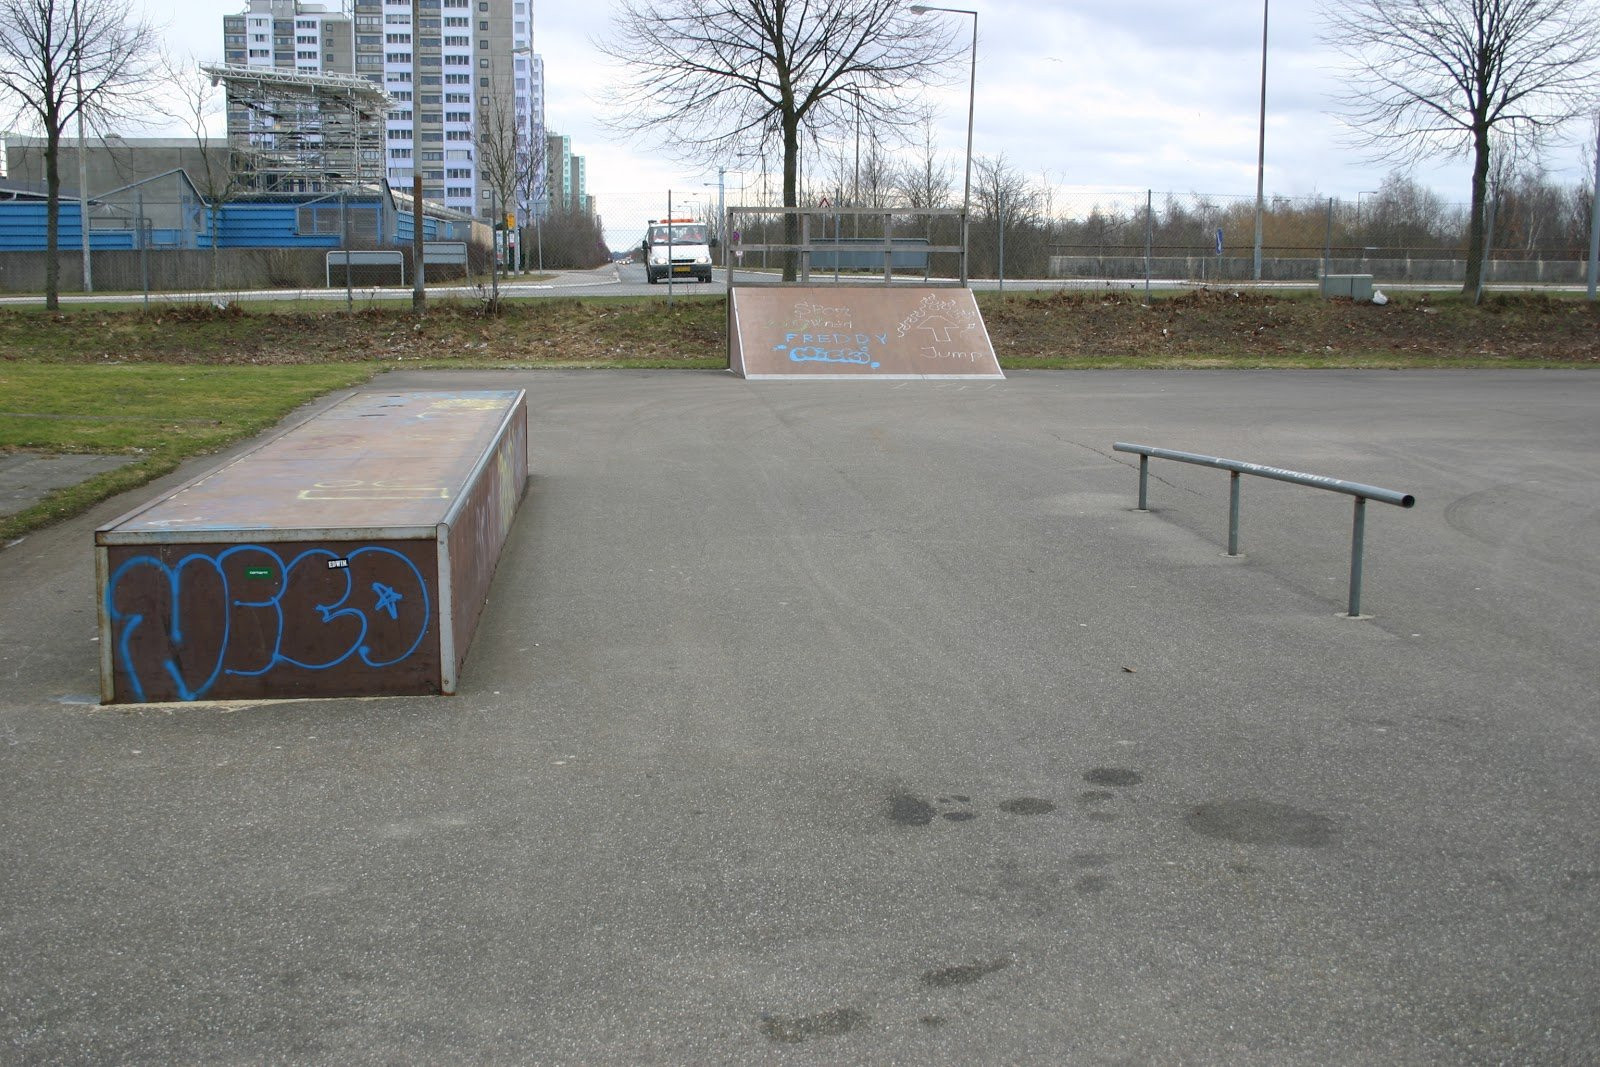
(972, 90)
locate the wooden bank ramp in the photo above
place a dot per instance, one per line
(821, 333)
(347, 556)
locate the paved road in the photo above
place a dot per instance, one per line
(628, 279)
(867, 723)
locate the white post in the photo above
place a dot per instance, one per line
(1261, 143)
(1594, 214)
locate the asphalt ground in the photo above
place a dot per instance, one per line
(869, 723)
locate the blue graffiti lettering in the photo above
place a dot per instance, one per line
(197, 647)
(387, 599)
(815, 354)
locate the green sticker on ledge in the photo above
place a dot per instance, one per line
(258, 572)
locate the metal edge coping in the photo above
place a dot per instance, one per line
(448, 675)
(108, 665)
(518, 402)
(238, 535)
(875, 377)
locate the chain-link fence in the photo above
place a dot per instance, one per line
(153, 239)
(1089, 236)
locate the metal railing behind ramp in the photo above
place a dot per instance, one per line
(1235, 468)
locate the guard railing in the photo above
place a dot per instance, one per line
(1362, 493)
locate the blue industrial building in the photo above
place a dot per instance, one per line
(170, 213)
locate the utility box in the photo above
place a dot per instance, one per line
(1350, 286)
(350, 555)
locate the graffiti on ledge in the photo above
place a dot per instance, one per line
(244, 612)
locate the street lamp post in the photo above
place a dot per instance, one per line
(972, 91)
(1261, 143)
(419, 284)
(722, 210)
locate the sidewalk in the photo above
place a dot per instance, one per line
(28, 477)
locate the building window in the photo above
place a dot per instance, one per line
(397, 38)
(399, 153)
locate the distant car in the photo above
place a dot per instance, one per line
(677, 246)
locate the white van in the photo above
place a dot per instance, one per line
(680, 247)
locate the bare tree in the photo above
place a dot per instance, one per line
(1464, 77)
(729, 79)
(531, 185)
(218, 176)
(60, 60)
(926, 180)
(499, 155)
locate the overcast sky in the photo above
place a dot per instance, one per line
(1160, 94)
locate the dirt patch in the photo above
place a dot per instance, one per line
(1208, 327)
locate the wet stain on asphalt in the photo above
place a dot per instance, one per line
(908, 810)
(792, 1029)
(1261, 822)
(962, 974)
(1092, 885)
(1117, 776)
(1027, 806)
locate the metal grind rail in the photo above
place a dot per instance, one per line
(1235, 468)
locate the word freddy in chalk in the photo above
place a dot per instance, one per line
(177, 628)
(815, 347)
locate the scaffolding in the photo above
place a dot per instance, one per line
(303, 133)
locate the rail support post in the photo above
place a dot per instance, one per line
(1144, 483)
(1233, 513)
(1358, 536)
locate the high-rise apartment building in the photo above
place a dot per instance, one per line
(463, 77)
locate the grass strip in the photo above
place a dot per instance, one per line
(156, 413)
